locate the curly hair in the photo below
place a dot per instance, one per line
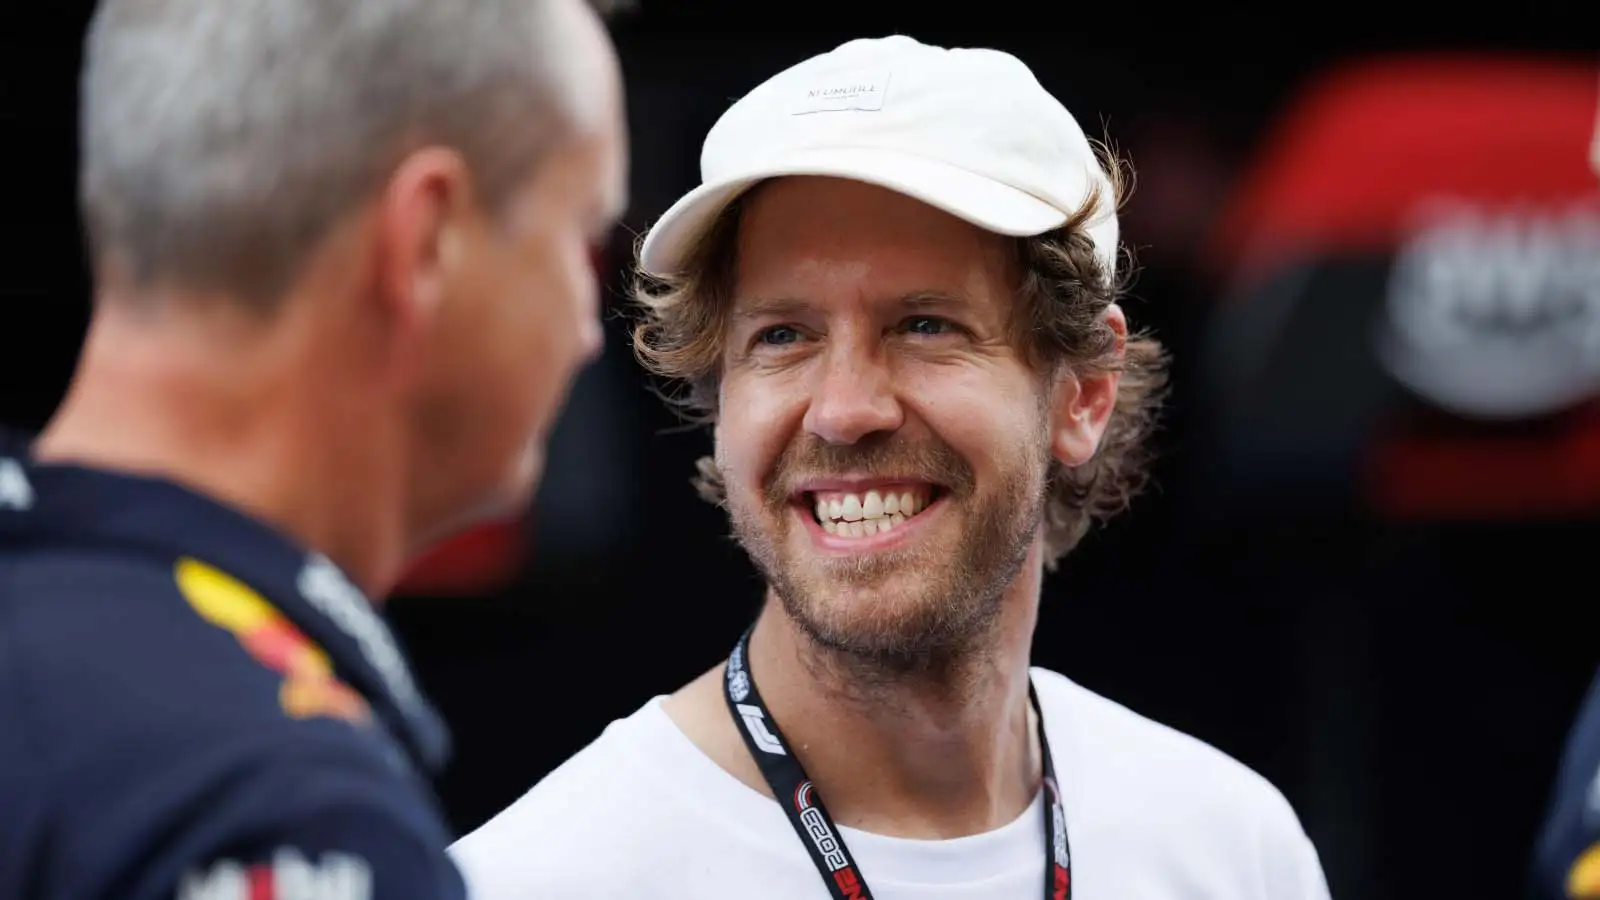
(1059, 320)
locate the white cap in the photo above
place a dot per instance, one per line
(970, 132)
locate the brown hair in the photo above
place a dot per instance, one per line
(1060, 320)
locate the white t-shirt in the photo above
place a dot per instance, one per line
(1152, 814)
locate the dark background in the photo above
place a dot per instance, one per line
(1406, 684)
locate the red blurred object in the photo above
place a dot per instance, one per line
(1344, 176)
(1531, 477)
(476, 562)
(1350, 162)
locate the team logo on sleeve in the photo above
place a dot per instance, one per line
(290, 876)
(1583, 879)
(309, 687)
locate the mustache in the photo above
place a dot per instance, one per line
(875, 456)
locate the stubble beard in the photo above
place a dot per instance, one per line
(917, 612)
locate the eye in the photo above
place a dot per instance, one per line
(929, 325)
(777, 336)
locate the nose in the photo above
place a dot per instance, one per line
(853, 397)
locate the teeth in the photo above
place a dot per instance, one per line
(863, 515)
(852, 508)
(872, 507)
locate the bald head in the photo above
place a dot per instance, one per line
(222, 141)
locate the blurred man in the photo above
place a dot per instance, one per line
(1566, 861)
(342, 254)
(894, 296)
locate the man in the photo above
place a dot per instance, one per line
(894, 298)
(342, 254)
(1566, 858)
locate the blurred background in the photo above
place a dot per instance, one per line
(1367, 568)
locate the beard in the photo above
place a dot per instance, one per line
(920, 608)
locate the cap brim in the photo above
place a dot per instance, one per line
(982, 201)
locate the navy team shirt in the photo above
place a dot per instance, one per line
(192, 707)
(1566, 863)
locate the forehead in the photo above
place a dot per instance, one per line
(829, 241)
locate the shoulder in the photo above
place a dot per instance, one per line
(292, 822)
(1133, 771)
(166, 696)
(1567, 857)
(97, 643)
(102, 646)
(1114, 739)
(599, 816)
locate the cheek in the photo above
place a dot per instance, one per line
(523, 341)
(558, 306)
(560, 280)
(986, 416)
(581, 266)
(757, 419)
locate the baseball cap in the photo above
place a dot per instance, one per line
(968, 131)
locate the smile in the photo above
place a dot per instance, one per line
(863, 516)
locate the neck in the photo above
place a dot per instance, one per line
(935, 755)
(209, 396)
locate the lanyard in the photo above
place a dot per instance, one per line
(806, 812)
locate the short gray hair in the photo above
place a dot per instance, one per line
(222, 139)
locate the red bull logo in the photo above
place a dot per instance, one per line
(309, 687)
(1583, 880)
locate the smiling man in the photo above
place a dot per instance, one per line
(894, 296)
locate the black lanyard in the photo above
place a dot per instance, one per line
(803, 805)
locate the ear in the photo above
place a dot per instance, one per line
(1082, 403)
(422, 213)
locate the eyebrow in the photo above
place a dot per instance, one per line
(789, 307)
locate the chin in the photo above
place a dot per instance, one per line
(457, 525)
(902, 613)
(522, 481)
(512, 497)
(507, 501)
(511, 500)
(916, 599)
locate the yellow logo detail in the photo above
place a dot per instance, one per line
(309, 687)
(1583, 879)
